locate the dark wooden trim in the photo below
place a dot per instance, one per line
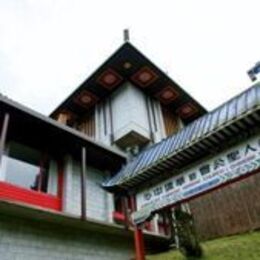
(154, 115)
(83, 183)
(149, 118)
(104, 117)
(165, 225)
(4, 134)
(111, 120)
(125, 212)
(42, 171)
(60, 183)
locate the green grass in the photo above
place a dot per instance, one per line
(239, 247)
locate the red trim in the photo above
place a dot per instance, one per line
(90, 101)
(119, 216)
(139, 244)
(138, 236)
(174, 95)
(109, 85)
(11, 192)
(137, 77)
(192, 110)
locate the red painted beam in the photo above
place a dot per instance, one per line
(18, 194)
(119, 216)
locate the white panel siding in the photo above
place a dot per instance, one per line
(72, 199)
(128, 105)
(100, 204)
(53, 179)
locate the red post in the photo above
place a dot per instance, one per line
(138, 237)
(139, 244)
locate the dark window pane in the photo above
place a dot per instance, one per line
(26, 167)
(21, 173)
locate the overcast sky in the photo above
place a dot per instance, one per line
(48, 47)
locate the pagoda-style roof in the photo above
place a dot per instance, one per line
(228, 123)
(128, 64)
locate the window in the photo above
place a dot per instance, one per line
(26, 167)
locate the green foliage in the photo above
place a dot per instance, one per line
(188, 239)
(239, 247)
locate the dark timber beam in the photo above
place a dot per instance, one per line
(4, 134)
(83, 183)
(125, 212)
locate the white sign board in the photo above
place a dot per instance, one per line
(229, 165)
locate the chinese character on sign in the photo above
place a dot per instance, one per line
(219, 163)
(180, 181)
(192, 176)
(157, 191)
(147, 196)
(168, 186)
(249, 148)
(205, 169)
(233, 156)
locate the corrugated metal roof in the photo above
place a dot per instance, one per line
(197, 132)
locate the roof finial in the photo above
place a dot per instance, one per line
(126, 35)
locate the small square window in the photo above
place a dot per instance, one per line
(192, 176)
(180, 181)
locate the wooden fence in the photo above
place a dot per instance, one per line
(230, 210)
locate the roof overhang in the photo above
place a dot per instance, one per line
(129, 64)
(44, 132)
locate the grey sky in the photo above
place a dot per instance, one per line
(48, 47)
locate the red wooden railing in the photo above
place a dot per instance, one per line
(13, 193)
(119, 216)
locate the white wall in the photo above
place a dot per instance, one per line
(129, 112)
(100, 204)
(129, 106)
(27, 239)
(53, 178)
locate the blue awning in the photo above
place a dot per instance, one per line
(205, 134)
